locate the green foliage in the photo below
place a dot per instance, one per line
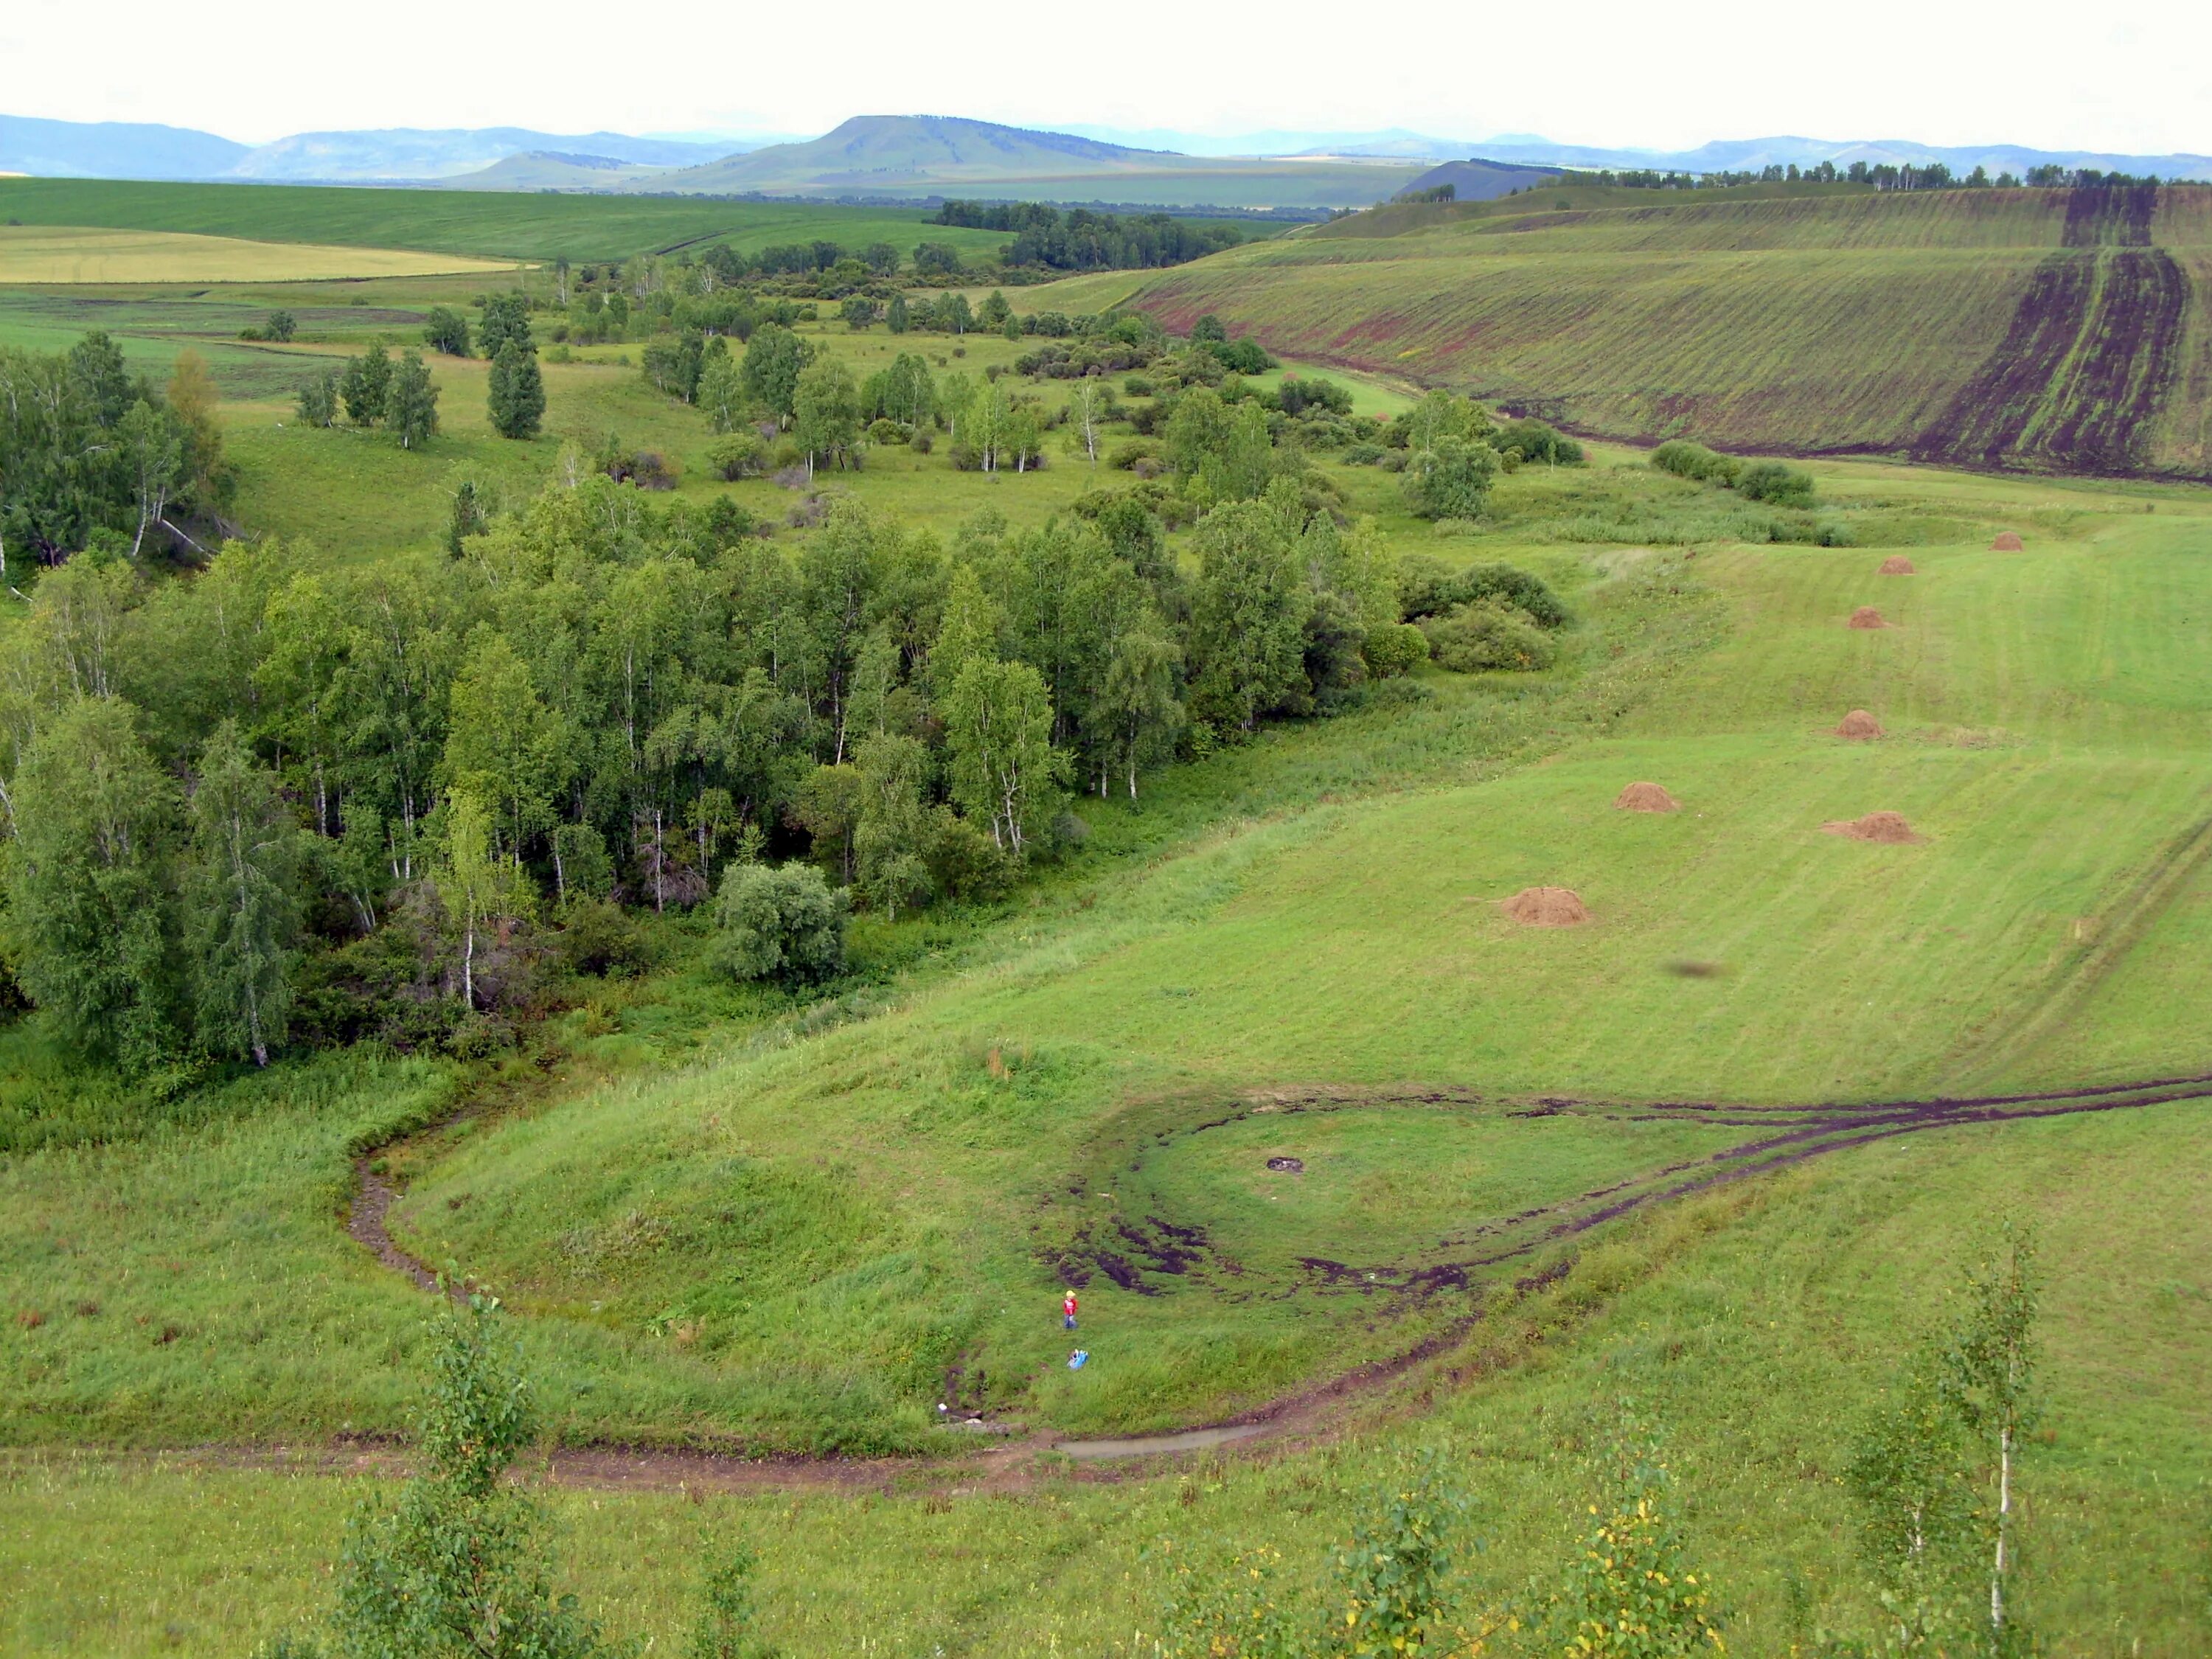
(447, 330)
(1395, 649)
(1395, 1574)
(739, 454)
(1636, 1593)
(1538, 442)
(410, 403)
(244, 876)
(725, 1628)
(1449, 479)
(773, 359)
(784, 923)
(1427, 588)
(1775, 483)
(458, 1569)
(826, 414)
(1248, 615)
(366, 385)
(1004, 770)
(318, 400)
(1694, 461)
(515, 393)
(505, 318)
(1487, 635)
(92, 901)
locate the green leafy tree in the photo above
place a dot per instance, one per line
(1249, 617)
(773, 359)
(467, 517)
(516, 393)
(483, 889)
(507, 317)
(366, 385)
(1137, 711)
(889, 839)
(280, 326)
(785, 923)
(243, 888)
(858, 311)
(502, 745)
(727, 1626)
(826, 414)
(318, 400)
(446, 330)
(1988, 1376)
(897, 318)
(1918, 1524)
(459, 1568)
(92, 906)
(1004, 771)
(994, 310)
(1449, 479)
(722, 393)
(410, 403)
(1394, 1576)
(1635, 1594)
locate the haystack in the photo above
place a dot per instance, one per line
(1859, 725)
(2008, 541)
(1646, 798)
(1889, 828)
(1547, 907)
(1896, 565)
(1867, 616)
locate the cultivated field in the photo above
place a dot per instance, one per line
(1991, 327)
(43, 254)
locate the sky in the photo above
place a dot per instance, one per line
(2134, 78)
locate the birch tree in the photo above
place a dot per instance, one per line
(245, 865)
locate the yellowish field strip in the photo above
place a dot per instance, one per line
(48, 254)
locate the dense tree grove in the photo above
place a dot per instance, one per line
(1082, 239)
(88, 450)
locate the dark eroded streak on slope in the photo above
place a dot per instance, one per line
(2093, 348)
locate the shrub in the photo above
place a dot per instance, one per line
(1487, 635)
(1394, 648)
(886, 431)
(1126, 455)
(785, 923)
(1539, 442)
(1138, 385)
(1775, 483)
(1694, 461)
(598, 938)
(1426, 591)
(1364, 454)
(738, 455)
(1449, 479)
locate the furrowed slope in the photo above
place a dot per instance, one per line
(2065, 330)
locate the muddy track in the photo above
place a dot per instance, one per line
(1788, 1135)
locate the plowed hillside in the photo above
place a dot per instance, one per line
(2057, 329)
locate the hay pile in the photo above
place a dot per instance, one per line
(1888, 828)
(1867, 616)
(1896, 565)
(1859, 725)
(2008, 541)
(1646, 798)
(1547, 907)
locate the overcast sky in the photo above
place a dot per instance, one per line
(2135, 77)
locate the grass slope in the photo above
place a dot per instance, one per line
(488, 224)
(1817, 322)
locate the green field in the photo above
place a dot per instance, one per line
(483, 224)
(2004, 327)
(1258, 1063)
(71, 255)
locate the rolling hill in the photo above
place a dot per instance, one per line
(920, 155)
(2047, 328)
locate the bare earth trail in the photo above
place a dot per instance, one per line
(1785, 1136)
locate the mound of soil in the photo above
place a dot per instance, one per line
(1867, 616)
(1646, 798)
(2008, 541)
(1889, 828)
(1547, 907)
(1896, 565)
(1859, 725)
(1287, 1166)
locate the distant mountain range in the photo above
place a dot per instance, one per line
(919, 155)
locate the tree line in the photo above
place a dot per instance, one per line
(1084, 238)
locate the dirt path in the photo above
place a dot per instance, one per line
(1788, 1135)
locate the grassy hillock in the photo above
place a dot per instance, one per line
(2056, 329)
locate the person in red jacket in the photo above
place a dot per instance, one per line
(1067, 1311)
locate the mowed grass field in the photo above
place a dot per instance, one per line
(1814, 323)
(42, 254)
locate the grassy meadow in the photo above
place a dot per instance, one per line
(52, 255)
(754, 1221)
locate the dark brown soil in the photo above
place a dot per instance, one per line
(1547, 907)
(1646, 798)
(1896, 565)
(1859, 726)
(1866, 616)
